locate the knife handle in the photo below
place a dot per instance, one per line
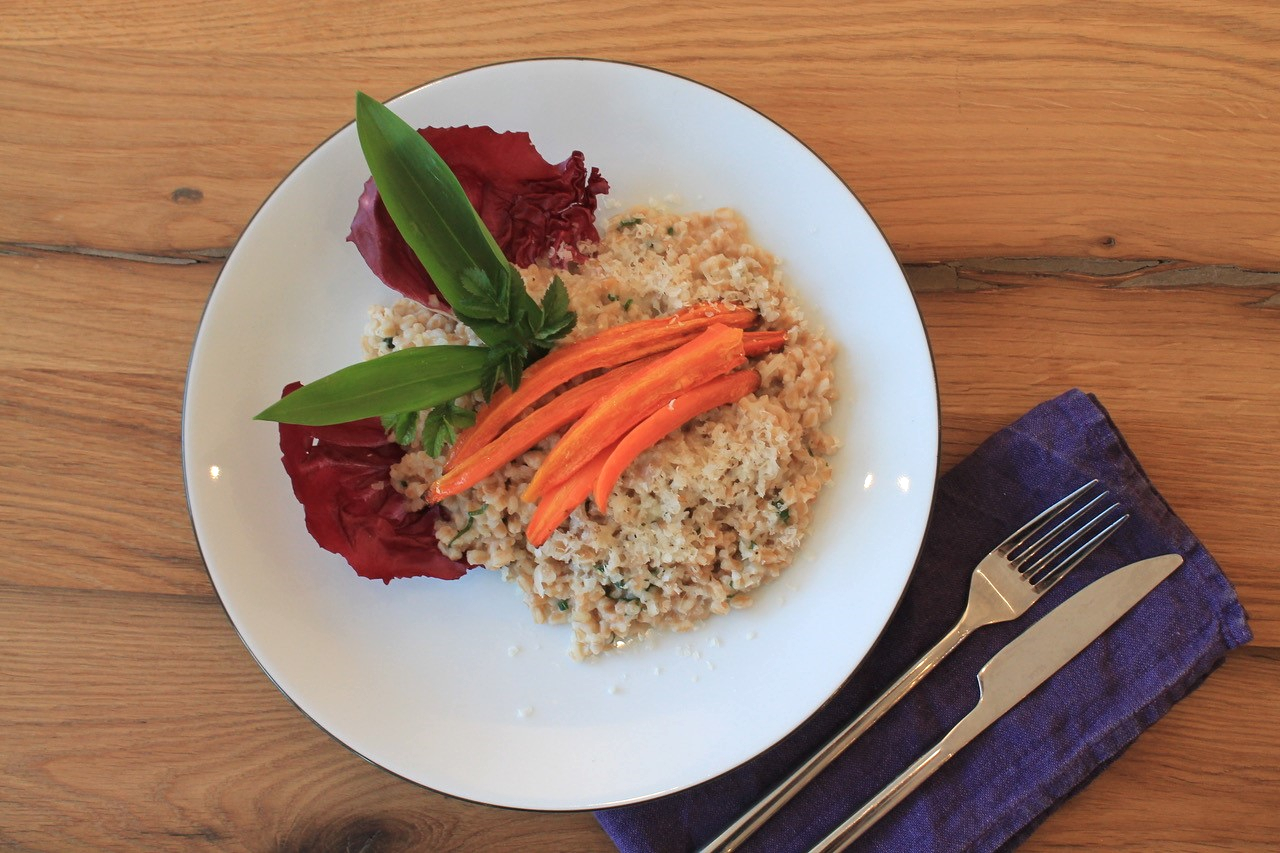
(898, 790)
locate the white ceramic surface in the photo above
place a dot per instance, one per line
(451, 684)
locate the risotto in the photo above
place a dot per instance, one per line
(703, 518)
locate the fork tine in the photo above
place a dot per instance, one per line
(1045, 583)
(1020, 536)
(1057, 545)
(1034, 553)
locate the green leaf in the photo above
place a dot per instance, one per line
(403, 426)
(441, 425)
(557, 319)
(403, 381)
(505, 364)
(483, 299)
(431, 211)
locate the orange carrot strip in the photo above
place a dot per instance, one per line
(561, 499)
(759, 343)
(528, 431)
(669, 417)
(609, 348)
(716, 351)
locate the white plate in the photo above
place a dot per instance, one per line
(450, 684)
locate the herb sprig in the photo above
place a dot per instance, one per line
(486, 292)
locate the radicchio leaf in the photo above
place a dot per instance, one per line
(340, 476)
(535, 211)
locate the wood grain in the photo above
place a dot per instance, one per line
(1083, 196)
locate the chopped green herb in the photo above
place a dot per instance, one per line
(626, 306)
(471, 519)
(563, 604)
(630, 222)
(784, 512)
(671, 230)
(612, 297)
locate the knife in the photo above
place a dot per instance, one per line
(1014, 672)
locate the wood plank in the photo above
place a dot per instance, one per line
(82, 315)
(113, 442)
(893, 92)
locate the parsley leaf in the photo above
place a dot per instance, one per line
(557, 320)
(403, 426)
(441, 425)
(482, 298)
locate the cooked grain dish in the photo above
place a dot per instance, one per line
(699, 521)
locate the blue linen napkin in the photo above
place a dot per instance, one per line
(994, 792)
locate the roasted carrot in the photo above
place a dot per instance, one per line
(529, 430)
(609, 348)
(713, 353)
(669, 417)
(759, 343)
(561, 499)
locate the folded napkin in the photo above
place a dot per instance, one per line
(998, 788)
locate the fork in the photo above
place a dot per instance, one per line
(1011, 578)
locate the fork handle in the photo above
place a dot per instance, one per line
(746, 825)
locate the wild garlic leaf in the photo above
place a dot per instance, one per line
(406, 380)
(430, 209)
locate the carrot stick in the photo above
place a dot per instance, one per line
(668, 418)
(561, 499)
(716, 351)
(759, 343)
(528, 431)
(612, 347)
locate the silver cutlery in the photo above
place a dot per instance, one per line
(1013, 673)
(1004, 585)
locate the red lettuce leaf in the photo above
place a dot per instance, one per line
(535, 211)
(340, 476)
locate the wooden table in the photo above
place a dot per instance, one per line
(1083, 195)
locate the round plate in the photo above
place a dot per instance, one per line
(451, 684)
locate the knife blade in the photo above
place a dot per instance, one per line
(1015, 671)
